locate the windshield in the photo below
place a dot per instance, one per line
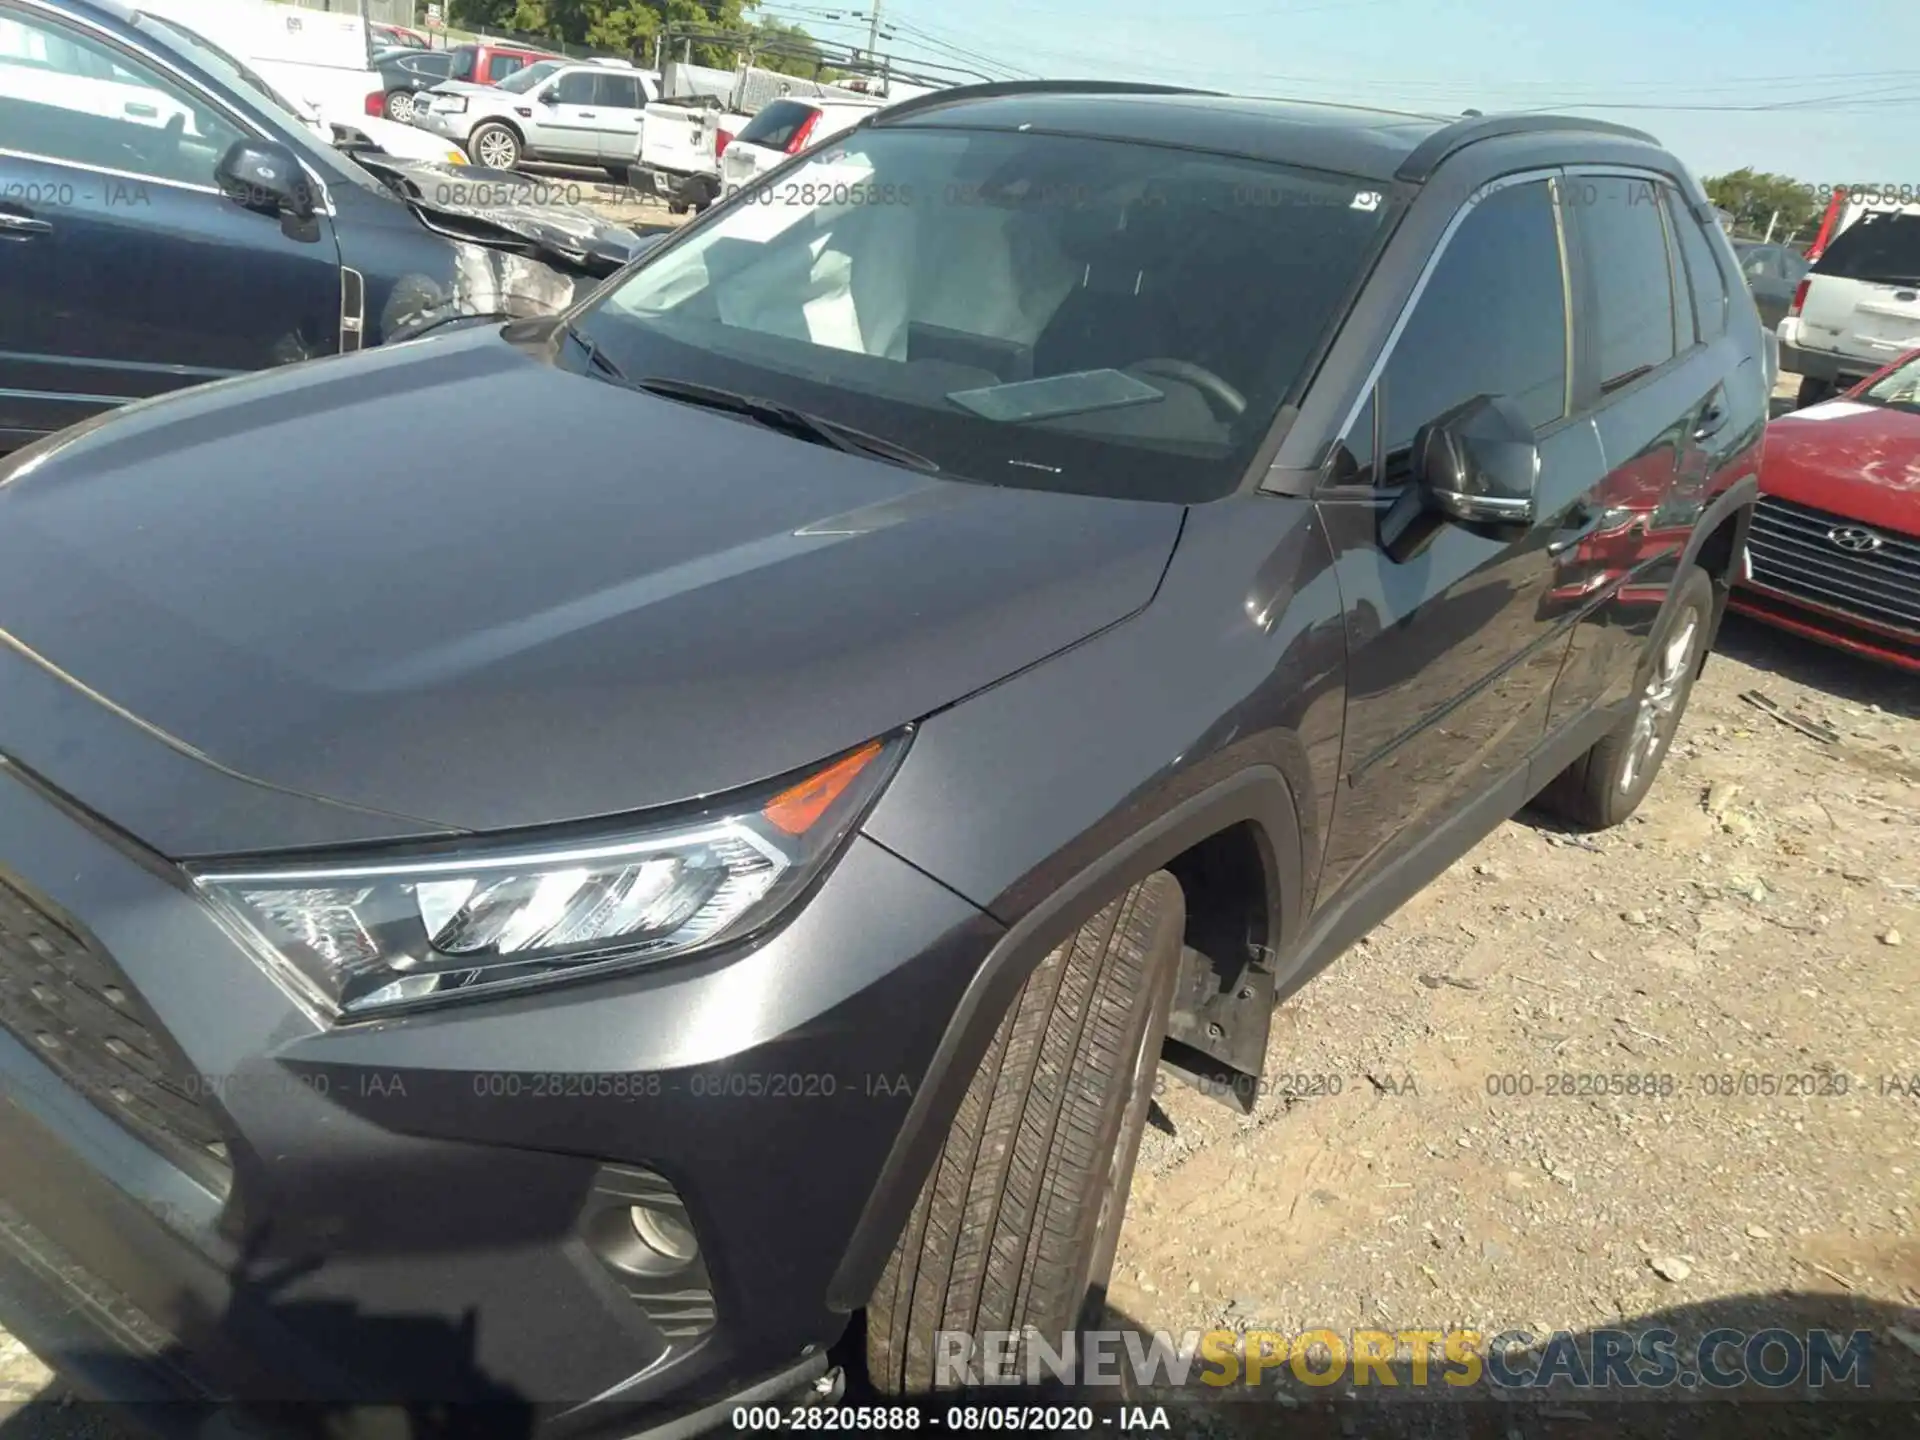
(1898, 390)
(1039, 310)
(1880, 246)
(522, 81)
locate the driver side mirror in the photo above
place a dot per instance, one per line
(262, 175)
(550, 95)
(1476, 465)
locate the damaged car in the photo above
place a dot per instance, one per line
(631, 942)
(164, 222)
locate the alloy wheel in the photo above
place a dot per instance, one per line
(1658, 712)
(496, 150)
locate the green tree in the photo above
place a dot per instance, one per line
(629, 26)
(1753, 197)
(798, 54)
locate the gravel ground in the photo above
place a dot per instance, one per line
(1756, 921)
(1754, 925)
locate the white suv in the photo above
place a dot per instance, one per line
(785, 127)
(573, 113)
(1859, 308)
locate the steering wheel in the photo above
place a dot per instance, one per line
(157, 149)
(1227, 400)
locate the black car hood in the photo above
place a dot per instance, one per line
(577, 601)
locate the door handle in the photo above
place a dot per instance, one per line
(586, 114)
(25, 226)
(139, 111)
(1712, 419)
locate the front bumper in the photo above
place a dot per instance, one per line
(1826, 626)
(447, 125)
(415, 1206)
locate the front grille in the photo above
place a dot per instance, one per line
(63, 997)
(1793, 551)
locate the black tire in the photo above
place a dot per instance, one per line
(1018, 1222)
(1607, 784)
(491, 134)
(1813, 391)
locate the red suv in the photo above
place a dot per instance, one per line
(490, 64)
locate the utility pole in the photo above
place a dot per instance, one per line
(873, 30)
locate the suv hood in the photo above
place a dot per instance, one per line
(577, 601)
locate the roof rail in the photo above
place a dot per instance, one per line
(1426, 157)
(994, 89)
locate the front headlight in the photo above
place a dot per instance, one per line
(451, 104)
(353, 938)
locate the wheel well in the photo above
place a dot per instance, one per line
(1223, 1000)
(1715, 556)
(1230, 913)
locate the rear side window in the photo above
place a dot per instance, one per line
(1879, 246)
(1491, 321)
(1709, 287)
(618, 92)
(505, 65)
(1631, 283)
(777, 124)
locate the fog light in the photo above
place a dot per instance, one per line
(666, 1235)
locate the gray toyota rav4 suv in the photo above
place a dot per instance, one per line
(690, 887)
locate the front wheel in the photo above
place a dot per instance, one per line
(1606, 785)
(494, 146)
(1015, 1230)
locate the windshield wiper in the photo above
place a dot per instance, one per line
(597, 357)
(786, 419)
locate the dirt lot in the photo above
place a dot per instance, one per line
(1756, 921)
(1749, 940)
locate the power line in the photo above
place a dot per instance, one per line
(1446, 93)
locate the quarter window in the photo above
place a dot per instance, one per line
(1491, 321)
(71, 98)
(1708, 287)
(1625, 248)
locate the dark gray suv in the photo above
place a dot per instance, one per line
(721, 853)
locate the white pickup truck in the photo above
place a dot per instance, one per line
(681, 141)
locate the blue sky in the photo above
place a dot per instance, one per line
(1839, 109)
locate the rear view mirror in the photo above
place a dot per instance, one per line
(262, 175)
(1475, 465)
(550, 95)
(1479, 464)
